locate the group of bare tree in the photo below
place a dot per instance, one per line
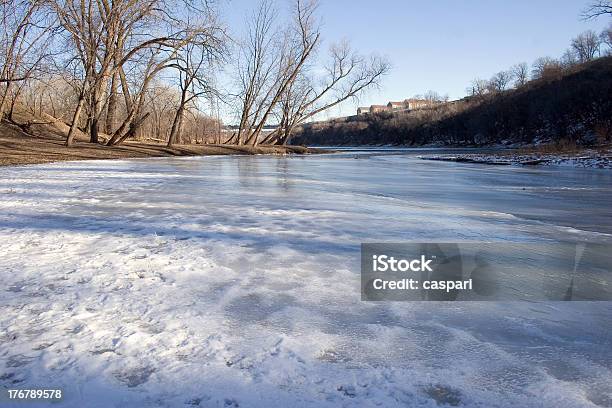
(279, 80)
(91, 63)
(433, 97)
(585, 47)
(127, 44)
(114, 69)
(26, 24)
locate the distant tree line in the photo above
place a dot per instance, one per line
(583, 48)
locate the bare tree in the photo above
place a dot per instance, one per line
(154, 60)
(26, 27)
(256, 67)
(500, 81)
(270, 67)
(276, 81)
(51, 93)
(109, 36)
(161, 101)
(193, 64)
(82, 21)
(478, 88)
(586, 45)
(597, 8)
(545, 67)
(520, 73)
(569, 58)
(347, 75)
(433, 97)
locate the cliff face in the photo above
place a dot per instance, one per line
(574, 106)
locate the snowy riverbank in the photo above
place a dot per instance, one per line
(588, 158)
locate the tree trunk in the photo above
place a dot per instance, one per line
(92, 124)
(112, 105)
(282, 141)
(175, 132)
(126, 89)
(93, 129)
(229, 141)
(97, 105)
(177, 123)
(3, 100)
(75, 121)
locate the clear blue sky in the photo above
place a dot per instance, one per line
(442, 45)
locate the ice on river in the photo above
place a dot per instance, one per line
(234, 281)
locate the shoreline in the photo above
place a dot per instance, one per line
(598, 158)
(17, 151)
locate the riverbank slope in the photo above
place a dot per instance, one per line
(42, 141)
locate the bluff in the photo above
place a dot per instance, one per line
(573, 105)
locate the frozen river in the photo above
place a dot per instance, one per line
(234, 281)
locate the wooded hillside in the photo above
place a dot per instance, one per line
(567, 105)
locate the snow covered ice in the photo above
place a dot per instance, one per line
(234, 281)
